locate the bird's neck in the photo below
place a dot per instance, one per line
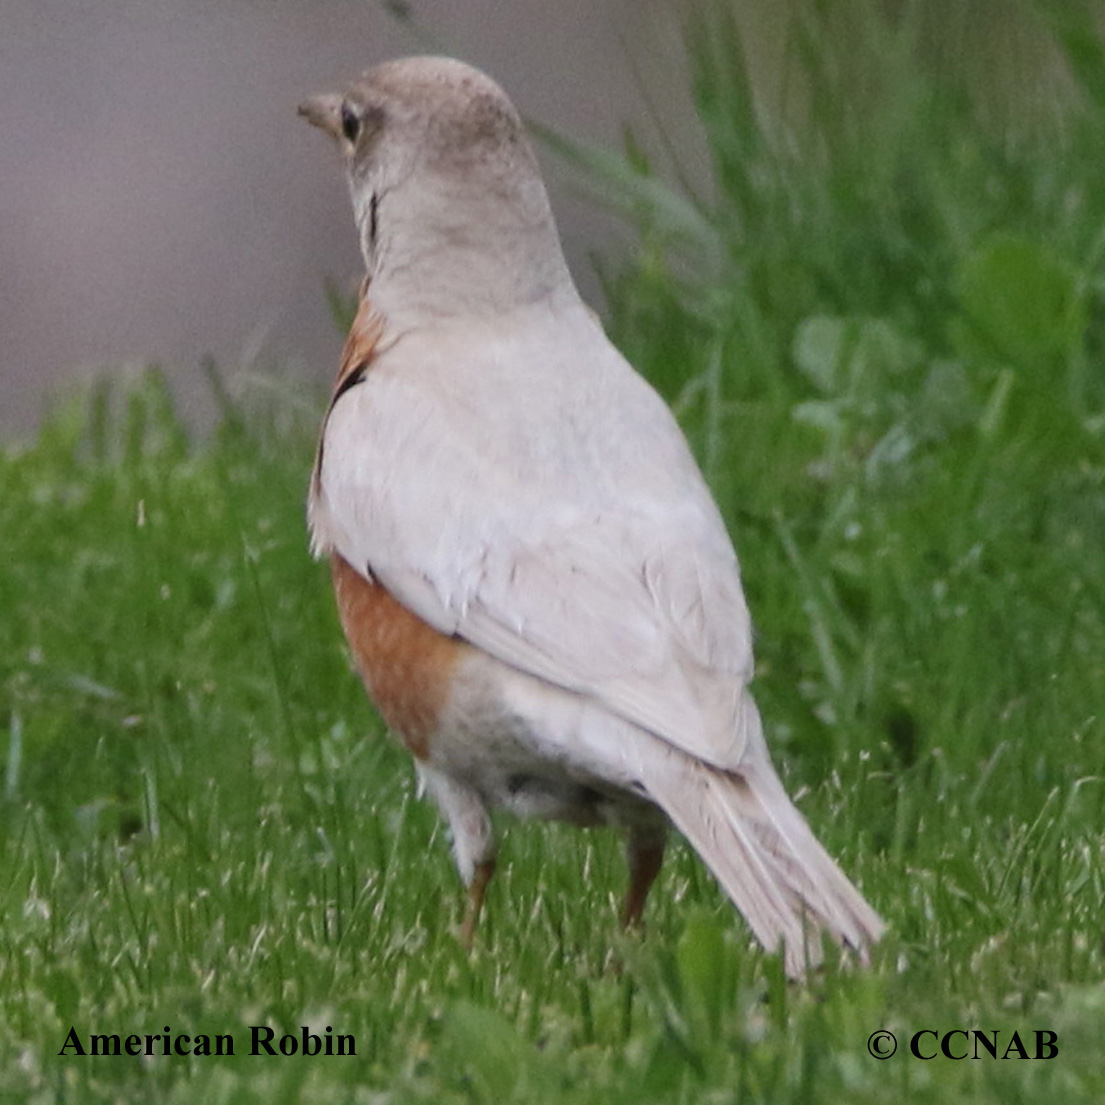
(439, 256)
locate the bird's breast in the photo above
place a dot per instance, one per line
(407, 666)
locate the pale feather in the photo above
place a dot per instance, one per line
(759, 847)
(740, 822)
(555, 518)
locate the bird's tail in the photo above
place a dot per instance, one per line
(761, 850)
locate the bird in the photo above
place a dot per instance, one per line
(536, 585)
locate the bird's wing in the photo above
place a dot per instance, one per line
(554, 519)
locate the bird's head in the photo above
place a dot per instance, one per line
(446, 189)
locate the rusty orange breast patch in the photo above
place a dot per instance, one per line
(407, 665)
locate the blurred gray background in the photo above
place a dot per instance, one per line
(160, 201)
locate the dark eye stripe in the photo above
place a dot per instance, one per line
(350, 122)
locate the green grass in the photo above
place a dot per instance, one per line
(886, 348)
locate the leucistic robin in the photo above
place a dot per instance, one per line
(535, 583)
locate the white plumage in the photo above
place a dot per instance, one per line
(506, 475)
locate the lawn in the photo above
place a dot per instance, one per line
(884, 335)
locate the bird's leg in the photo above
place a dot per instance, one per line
(644, 853)
(476, 890)
(473, 839)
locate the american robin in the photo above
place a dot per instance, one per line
(536, 585)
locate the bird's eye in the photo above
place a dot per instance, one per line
(350, 122)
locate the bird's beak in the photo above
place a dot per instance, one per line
(324, 111)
